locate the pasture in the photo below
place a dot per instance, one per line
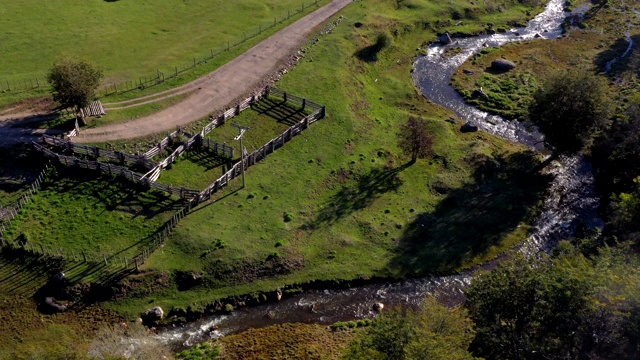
(127, 38)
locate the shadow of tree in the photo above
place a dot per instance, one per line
(471, 219)
(370, 53)
(615, 52)
(367, 188)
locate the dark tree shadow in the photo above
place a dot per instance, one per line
(614, 53)
(370, 53)
(471, 219)
(279, 111)
(349, 199)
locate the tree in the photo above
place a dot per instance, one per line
(568, 109)
(569, 307)
(415, 140)
(432, 332)
(74, 82)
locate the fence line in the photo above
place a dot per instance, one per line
(96, 152)
(115, 170)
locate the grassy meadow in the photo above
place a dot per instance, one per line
(127, 38)
(341, 201)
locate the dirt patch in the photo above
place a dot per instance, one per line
(32, 106)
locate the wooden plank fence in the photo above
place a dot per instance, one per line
(192, 197)
(96, 152)
(262, 153)
(115, 170)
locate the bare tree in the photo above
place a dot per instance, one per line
(415, 140)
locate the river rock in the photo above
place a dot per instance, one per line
(502, 65)
(378, 307)
(279, 294)
(468, 127)
(445, 38)
(467, 72)
(152, 315)
(53, 304)
(479, 94)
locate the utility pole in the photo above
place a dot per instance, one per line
(241, 131)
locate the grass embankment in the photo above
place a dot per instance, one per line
(288, 341)
(130, 40)
(82, 211)
(340, 201)
(589, 45)
(29, 334)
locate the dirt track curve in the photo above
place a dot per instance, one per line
(219, 88)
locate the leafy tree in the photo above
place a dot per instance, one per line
(569, 307)
(432, 332)
(616, 152)
(568, 109)
(74, 82)
(415, 140)
(624, 219)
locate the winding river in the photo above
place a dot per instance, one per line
(572, 201)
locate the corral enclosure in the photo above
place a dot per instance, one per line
(266, 119)
(83, 211)
(127, 38)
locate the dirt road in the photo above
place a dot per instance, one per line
(219, 88)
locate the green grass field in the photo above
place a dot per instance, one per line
(340, 201)
(127, 38)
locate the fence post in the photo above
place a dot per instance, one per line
(137, 266)
(105, 259)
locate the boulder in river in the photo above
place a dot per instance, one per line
(378, 307)
(468, 127)
(445, 38)
(152, 315)
(502, 65)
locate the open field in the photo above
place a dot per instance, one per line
(128, 39)
(340, 201)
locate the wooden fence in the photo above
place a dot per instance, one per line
(96, 152)
(262, 153)
(192, 197)
(115, 170)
